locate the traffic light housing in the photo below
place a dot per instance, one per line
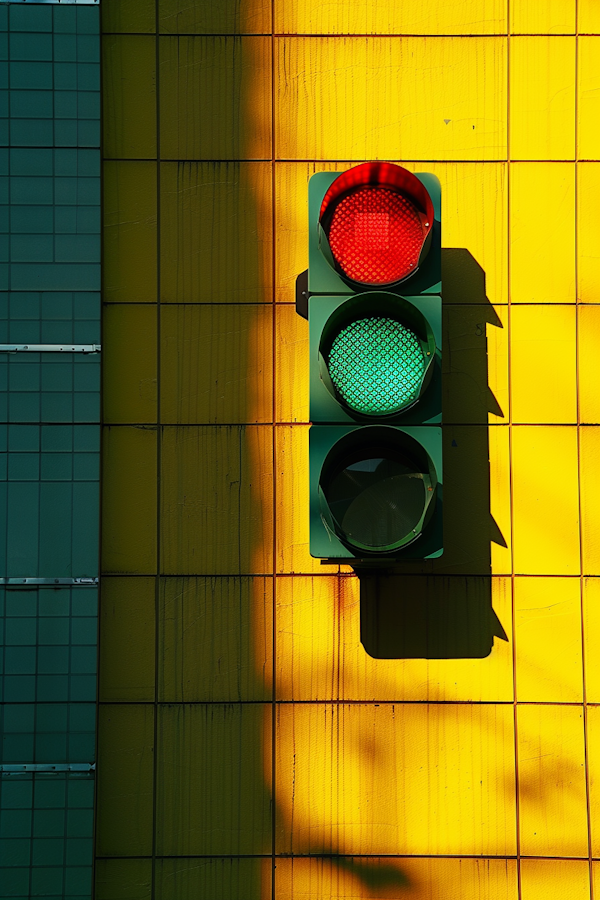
(374, 310)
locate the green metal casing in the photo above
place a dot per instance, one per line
(328, 292)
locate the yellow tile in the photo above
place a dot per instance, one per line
(552, 791)
(542, 232)
(545, 500)
(226, 17)
(358, 878)
(593, 737)
(400, 637)
(129, 261)
(211, 798)
(129, 96)
(588, 108)
(543, 368)
(292, 497)
(588, 319)
(329, 106)
(542, 98)
(474, 204)
(291, 366)
(129, 363)
(543, 17)
(591, 636)
(593, 748)
(475, 364)
(125, 779)
(555, 879)
(129, 500)
(220, 879)
(224, 81)
(548, 616)
(136, 16)
(589, 461)
(588, 232)
(127, 639)
(477, 478)
(216, 363)
(368, 779)
(388, 17)
(216, 236)
(596, 876)
(119, 878)
(589, 17)
(215, 639)
(217, 515)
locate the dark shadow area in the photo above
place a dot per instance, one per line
(442, 609)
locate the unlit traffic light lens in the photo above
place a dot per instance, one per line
(377, 365)
(377, 500)
(376, 235)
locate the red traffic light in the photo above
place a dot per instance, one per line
(377, 218)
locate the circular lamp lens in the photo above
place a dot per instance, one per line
(377, 498)
(377, 365)
(376, 235)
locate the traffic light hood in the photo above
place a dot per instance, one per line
(375, 225)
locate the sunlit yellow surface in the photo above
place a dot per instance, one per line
(389, 17)
(542, 16)
(589, 459)
(329, 102)
(588, 135)
(394, 730)
(320, 655)
(547, 616)
(543, 364)
(359, 878)
(589, 352)
(336, 765)
(555, 879)
(545, 500)
(542, 232)
(542, 98)
(588, 243)
(552, 792)
(591, 635)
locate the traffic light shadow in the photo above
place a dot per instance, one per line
(442, 608)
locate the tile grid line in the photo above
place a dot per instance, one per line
(157, 581)
(579, 473)
(274, 463)
(510, 458)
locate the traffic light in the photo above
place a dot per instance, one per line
(374, 310)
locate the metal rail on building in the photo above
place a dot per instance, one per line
(50, 348)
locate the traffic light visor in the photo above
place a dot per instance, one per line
(378, 490)
(376, 219)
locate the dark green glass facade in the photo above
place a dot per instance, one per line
(49, 444)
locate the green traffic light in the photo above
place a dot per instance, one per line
(377, 365)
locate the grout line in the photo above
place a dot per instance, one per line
(157, 580)
(274, 462)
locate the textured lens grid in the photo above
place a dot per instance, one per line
(377, 365)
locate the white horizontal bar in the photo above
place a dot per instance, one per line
(16, 582)
(20, 769)
(50, 348)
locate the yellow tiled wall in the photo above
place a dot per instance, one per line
(250, 748)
